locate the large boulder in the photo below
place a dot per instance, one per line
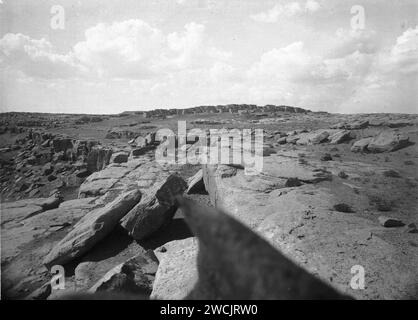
(156, 208)
(134, 276)
(314, 137)
(361, 145)
(233, 262)
(98, 158)
(138, 142)
(62, 144)
(119, 157)
(141, 141)
(398, 123)
(387, 141)
(177, 271)
(340, 137)
(115, 178)
(300, 223)
(91, 229)
(112, 251)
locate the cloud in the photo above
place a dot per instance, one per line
(365, 79)
(36, 57)
(188, 46)
(312, 6)
(404, 54)
(130, 49)
(294, 63)
(290, 9)
(132, 60)
(396, 64)
(284, 63)
(347, 41)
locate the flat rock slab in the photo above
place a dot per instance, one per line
(177, 271)
(228, 185)
(340, 137)
(92, 228)
(23, 209)
(235, 263)
(299, 222)
(40, 225)
(100, 182)
(24, 245)
(115, 178)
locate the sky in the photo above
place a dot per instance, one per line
(107, 56)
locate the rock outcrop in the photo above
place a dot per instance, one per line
(295, 228)
(177, 272)
(98, 158)
(313, 137)
(297, 221)
(156, 208)
(23, 209)
(134, 276)
(340, 137)
(235, 263)
(196, 183)
(92, 228)
(25, 244)
(388, 141)
(361, 145)
(385, 141)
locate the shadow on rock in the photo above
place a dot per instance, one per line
(177, 229)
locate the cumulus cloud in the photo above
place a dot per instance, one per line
(396, 63)
(312, 6)
(36, 57)
(135, 61)
(290, 9)
(295, 63)
(404, 54)
(123, 49)
(350, 80)
(347, 41)
(188, 46)
(126, 49)
(284, 63)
